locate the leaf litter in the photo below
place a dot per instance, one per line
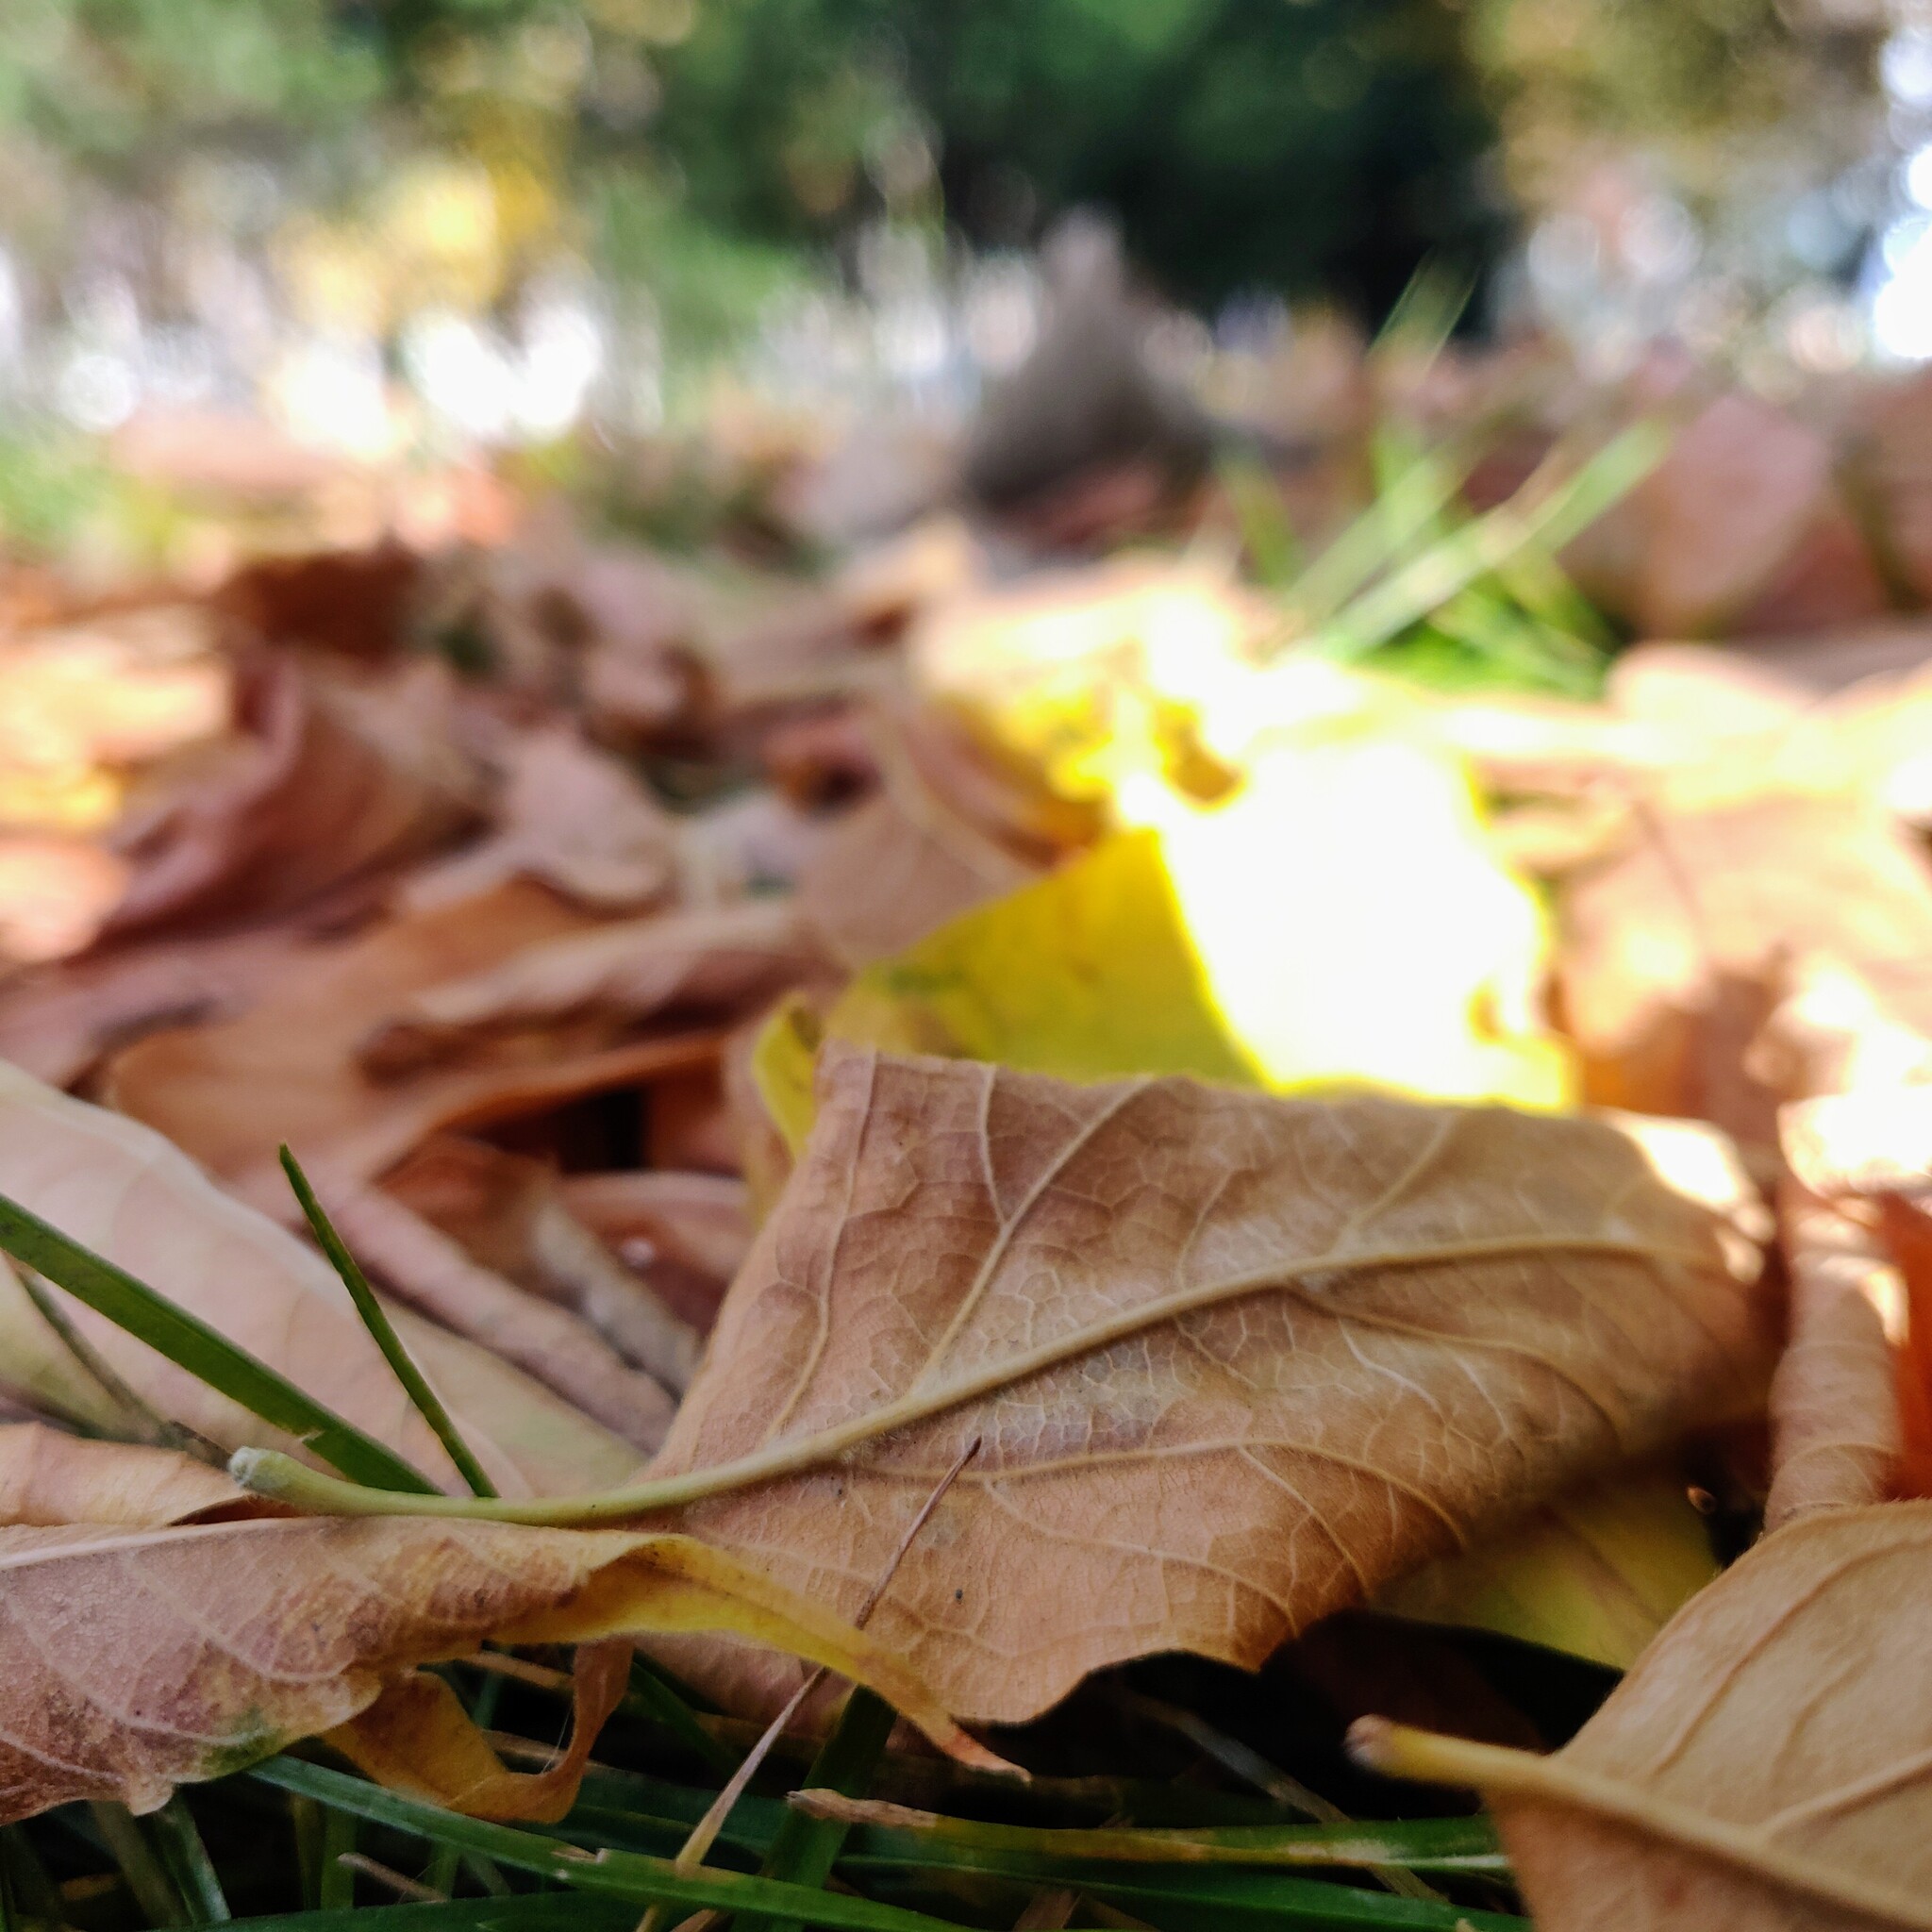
(1399, 1130)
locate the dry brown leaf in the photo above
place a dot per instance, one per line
(123, 1191)
(331, 784)
(58, 1021)
(1765, 1768)
(1674, 951)
(699, 1223)
(1836, 1432)
(286, 1070)
(573, 818)
(1236, 1360)
(425, 1268)
(710, 959)
(142, 1658)
(47, 1479)
(512, 1215)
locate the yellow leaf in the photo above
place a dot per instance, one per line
(1598, 1573)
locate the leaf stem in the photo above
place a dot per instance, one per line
(269, 1473)
(376, 1319)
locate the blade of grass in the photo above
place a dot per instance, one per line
(188, 1863)
(1205, 1898)
(1436, 1844)
(853, 1748)
(189, 1343)
(620, 1875)
(529, 1911)
(428, 1405)
(30, 1887)
(336, 1886)
(1547, 515)
(1372, 542)
(808, 1846)
(1274, 552)
(140, 1865)
(651, 1696)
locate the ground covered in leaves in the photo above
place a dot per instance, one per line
(1223, 1128)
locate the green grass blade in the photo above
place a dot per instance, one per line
(1374, 542)
(188, 1863)
(621, 1874)
(189, 1343)
(334, 1889)
(130, 1848)
(529, 1911)
(1274, 552)
(650, 1696)
(1434, 1845)
(428, 1406)
(1548, 518)
(806, 1848)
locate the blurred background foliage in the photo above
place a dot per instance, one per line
(213, 198)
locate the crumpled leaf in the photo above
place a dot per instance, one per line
(425, 1268)
(1765, 1768)
(56, 1022)
(332, 783)
(707, 959)
(56, 893)
(511, 1215)
(121, 1189)
(47, 1479)
(287, 1069)
(574, 818)
(143, 1658)
(1235, 1361)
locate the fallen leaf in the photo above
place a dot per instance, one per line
(47, 1479)
(888, 877)
(710, 959)
(1236, 1361)
(418, 1738)
(287, 1070)
(1834, 1400)
(513, 1216)
(58, 1022)
(1597, 1573)
(329, 784)
(131, 1674)
(1764, 1767)
(425, 1268)
(352, 602)
(570, 817)
(700, 1221)
(121, 1189)
(1673, 952)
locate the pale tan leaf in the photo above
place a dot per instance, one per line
(1236, 1360)
(47, 1479)
(1836, 1430)
(1766, 1768)
(142, 1659)
(121, 1189)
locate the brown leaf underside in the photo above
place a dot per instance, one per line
(1234, 1360)
(1768, 1766)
